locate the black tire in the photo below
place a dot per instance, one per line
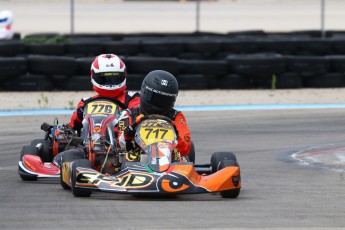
(27, 150)
(284, 46)
(238, 46)
(143, 65)
(126, 48)
(337, 63)
(45, 151)
(77, 192)
(29, 83)
(328, 80)
(230, 81)
(77, 83)
(218, 157)
(315, 46)
(46, 49)
(134, 81)
(12, 67)
(232, 193)
(52, 65)
(192, 81)
(10, 48)
(163, 47)
(206, 67)
(256, 64)
(338, 45)
(289, 81)
(69, 156)
(205, 46)
(191, 154)
(84, 48)
(84, 65)
(307, 65)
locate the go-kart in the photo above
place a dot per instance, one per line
(42, 159)
(157, 169)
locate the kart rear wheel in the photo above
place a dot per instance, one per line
(191, 154)
(218, 157)
(27, 150)
(68, 156)
(44, 150)
(233, 193)
(77, 192)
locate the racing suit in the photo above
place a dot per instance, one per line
(128, 98)
(184, 140)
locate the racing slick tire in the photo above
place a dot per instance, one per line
(44, 150)
(77, 192)
(233, 193)
(27, 150)
(218, 157)
(191, 154)
(68, 156)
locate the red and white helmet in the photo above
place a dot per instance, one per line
(108, 75)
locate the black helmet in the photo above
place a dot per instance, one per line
(158, 92)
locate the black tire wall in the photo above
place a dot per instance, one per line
(235, 60)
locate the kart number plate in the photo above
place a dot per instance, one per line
(101, 107)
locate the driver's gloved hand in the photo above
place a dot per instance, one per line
(129, 133)
(129, 146)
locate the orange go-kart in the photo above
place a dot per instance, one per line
(156, 169)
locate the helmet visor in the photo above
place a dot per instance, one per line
(159, 99)
(109, 78)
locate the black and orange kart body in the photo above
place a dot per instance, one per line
(42, 159)
(158, 169)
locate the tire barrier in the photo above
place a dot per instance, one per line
(52, 65)
(12, 48)
(235, 60)
(29, 83)
(192, 81)
(12, 67)
(143, 65)
(46, 49)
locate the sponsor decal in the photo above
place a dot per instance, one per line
(30, 166)
(97, 129)
(161, 93)
(236, 180)
(127, 181)
(164, 82)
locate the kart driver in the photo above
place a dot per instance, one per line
(108, 77)
(157, 96)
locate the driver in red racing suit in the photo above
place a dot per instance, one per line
(157, 96)
(108, 77)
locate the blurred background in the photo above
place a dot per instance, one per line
(127, 16)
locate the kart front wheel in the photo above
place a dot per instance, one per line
(233, 193)
(44, 149)
(218, 157)
(68, 156)
(27, 150)
(77, 192)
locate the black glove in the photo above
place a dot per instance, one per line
(129, 133)
(129, 146)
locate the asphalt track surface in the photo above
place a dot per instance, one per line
(276, 191)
